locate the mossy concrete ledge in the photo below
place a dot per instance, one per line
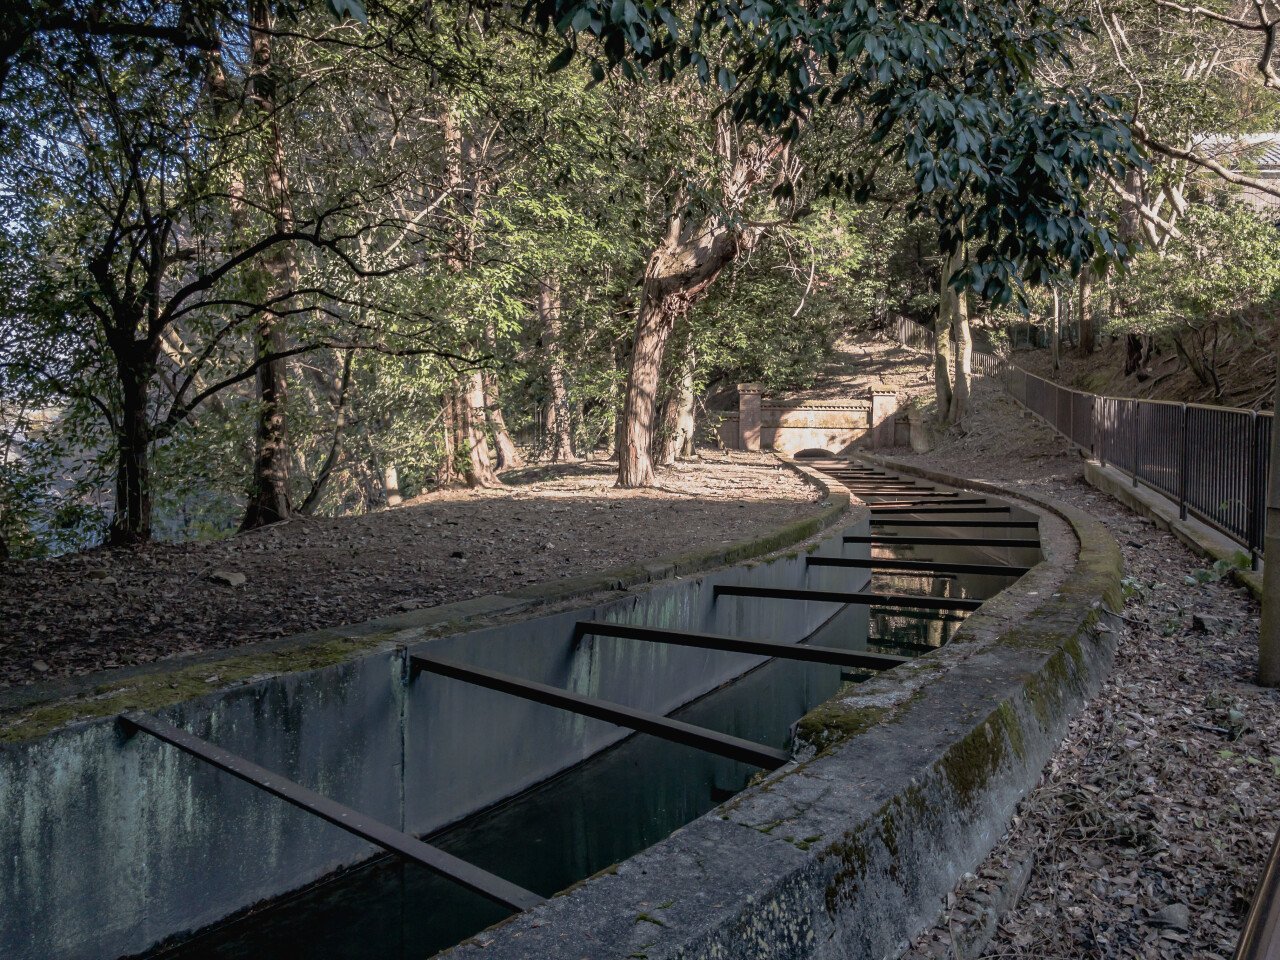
(904, 784)
(30, 712)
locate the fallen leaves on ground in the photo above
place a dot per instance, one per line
(109, 608)
(1152, 820)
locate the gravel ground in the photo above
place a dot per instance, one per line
(109, 608)
(1150, 824)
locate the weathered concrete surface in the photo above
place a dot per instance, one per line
(791, 428)
(1200, 537)
(110, 845)
(913, 778)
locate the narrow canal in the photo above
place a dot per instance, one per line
(634, 794)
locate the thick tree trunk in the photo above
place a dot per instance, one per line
(1086, 312)
(269, 493)
(964, 359)
(559, 420)
(1132, 353)
(508, 456)
(653, 326)
(677, 275)
(391, 485)
(466, 447)
(480, 471)
(943, 362)
(131, 521)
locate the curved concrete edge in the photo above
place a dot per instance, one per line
(30, 712)
(1200, 537)
(911, 781)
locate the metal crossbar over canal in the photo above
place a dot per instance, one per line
(898, 502)
(388, 838)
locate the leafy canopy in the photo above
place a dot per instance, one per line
(999, 158)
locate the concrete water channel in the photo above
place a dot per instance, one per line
(630, 760)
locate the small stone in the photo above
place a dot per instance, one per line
(1175, 915)
(40, 666)
(1205, 623)
(457, 555)
(232, 578)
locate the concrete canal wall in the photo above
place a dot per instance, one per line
(110, 844)
(906, 784)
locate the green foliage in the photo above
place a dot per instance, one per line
(997, 157)
(1222, 267)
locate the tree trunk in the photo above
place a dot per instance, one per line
(1086, 312)
(942, 359)
(508, 456)
(1132, 353)
(450, 470)
(269, 494)
(480, 472)
(653, 326)
(1055, 342)
(559, 421)
(676, 276)
(964, 358)
(131, 521)
(391, 485)
(677, 433)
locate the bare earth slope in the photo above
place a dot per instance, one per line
(108, 608)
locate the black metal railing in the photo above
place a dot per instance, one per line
(1212, 462)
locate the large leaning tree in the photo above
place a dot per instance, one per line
(1001, 160)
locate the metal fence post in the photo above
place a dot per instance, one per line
(1182, 478)
(1137, 441)
(1100, 408)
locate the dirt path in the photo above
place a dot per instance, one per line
(109, 608)
(1151, 823)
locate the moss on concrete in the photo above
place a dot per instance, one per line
(154, 691)
(834, 722)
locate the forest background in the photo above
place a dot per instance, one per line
(260, 259)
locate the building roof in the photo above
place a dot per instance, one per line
(1261, 150)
